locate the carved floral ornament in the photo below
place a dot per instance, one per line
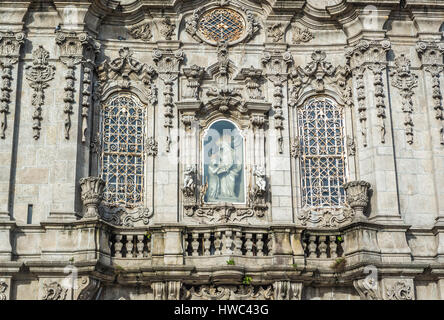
(222, 24)
(10, 44)
(431, 54)
(39, 74)
(317, 75)
(372, 55)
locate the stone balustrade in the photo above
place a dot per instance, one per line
(323, 245)
(228, 241)
(126, 245)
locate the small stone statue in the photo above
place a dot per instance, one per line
(189, 185)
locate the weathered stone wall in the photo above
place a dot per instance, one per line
(382, 63)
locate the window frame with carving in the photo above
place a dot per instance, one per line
(307, 200)
(112, 198)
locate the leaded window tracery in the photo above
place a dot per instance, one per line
(322, 158)
(222, 25)
(122, 157)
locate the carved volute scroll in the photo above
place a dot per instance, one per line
(39, 74)
(10, 44)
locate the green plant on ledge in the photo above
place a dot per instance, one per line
(148, 235)
(294, 265)
(118, 269)
(339, 238)
(230, 262)
(339, 264)
(246, 280)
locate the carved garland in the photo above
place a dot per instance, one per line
(10, 44)
(38, 75)
(405, 81)
(371, 55)
(431, 54)
(168, 64)
(277, 65)
(75, 49)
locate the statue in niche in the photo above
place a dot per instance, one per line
(223, 163)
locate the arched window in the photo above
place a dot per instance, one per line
(122, 158)
(223, 163)
(322, 158)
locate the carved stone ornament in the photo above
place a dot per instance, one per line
(228, 292)
(276, 32)
(301, 35)
(74, 49)
(89, 288)
(285, 290)
(167, 28)
(91, 195)
(226, 212)
(38, 75)
(295, 148)
(54, 291)
(400, 290)
(125, 69)
(431, 54)
(367, 289)
(189, 189)
(372, 55)
(405, 81)
(125, 217)
(250, 29)
(276, 65)
(168, 66)
(258, 193)
(253, 79)
(141, 31)
(317, 74)
(357, 196)
(325, 217)
(194, 76)
(151, 147)
(10, 44)
(3, 288)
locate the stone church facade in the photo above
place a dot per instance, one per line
(221, 149)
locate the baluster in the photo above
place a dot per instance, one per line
(227, 242)
(238, 243)
(195, 244)
(249, 244)
(207, 244)
(259, 245)
(333, 247)
(129, 245)
(270, 244)
(118, 246)
(322, 247)
(147, 242)
(217, 242)
(312, 247)
(139, 245)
